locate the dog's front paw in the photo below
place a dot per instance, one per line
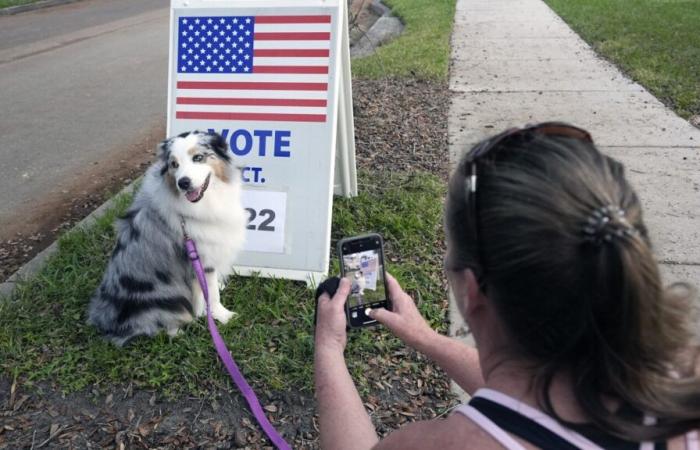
(222, 314)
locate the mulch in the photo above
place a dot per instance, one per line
(400, 125)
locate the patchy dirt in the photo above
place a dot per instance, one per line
(38, 225)
(400, 125)
(695, 120)
(124, 417)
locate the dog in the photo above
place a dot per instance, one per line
(149, 284)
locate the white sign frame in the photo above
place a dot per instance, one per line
(304, 253)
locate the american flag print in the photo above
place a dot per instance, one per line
(253, 68)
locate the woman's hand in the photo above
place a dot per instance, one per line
(331, 322)
(405, 321)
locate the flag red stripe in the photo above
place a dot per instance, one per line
(251, 101)
(290, 69)
(263, 86)
(250, 116)
(310, 36)
(311, 52)
(293, 19)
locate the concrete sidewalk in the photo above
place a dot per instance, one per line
(516, 62)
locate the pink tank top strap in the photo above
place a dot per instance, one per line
(692, 440)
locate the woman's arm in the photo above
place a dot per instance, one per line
(343, 420)
(459, 361)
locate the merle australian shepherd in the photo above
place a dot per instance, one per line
(149, 284)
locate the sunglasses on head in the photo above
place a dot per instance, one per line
(479, 151)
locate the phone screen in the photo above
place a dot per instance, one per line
(363, 263)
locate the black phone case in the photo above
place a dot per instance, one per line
(329, 285)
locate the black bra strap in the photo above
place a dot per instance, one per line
(521, 426)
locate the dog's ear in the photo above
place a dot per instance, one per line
(164, 149)
(218, 144)
(164, 153)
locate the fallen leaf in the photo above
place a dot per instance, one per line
(144, 430)
(240, 438)
(271, 408)
(18, 404)
(129, 392)
(13, 393)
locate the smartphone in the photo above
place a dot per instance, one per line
(362, 260)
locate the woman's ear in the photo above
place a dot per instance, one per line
(466, 291)
(476, 297)
(459, 280)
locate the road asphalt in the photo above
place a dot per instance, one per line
(516, 62)
(82, 83)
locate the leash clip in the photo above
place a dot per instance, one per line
(184, 231)
(190, 247)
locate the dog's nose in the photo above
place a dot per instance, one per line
(184, 183)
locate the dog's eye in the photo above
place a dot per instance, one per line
(197, 158)
(174, 164)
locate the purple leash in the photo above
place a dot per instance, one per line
(225, 355)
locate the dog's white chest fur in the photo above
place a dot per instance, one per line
(219, 241)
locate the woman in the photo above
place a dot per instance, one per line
(579, 346)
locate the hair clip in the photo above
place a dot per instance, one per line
(607, 223)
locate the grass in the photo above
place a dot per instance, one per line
(8, 3)
(43, 335)
(422, 51)
(655, 41)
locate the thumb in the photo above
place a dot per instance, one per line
(384, 316)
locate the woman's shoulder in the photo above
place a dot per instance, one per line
(454, 432)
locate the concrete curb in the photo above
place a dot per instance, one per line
(31, 268)
(11, 10)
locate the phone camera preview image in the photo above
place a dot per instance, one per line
(365, 271)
